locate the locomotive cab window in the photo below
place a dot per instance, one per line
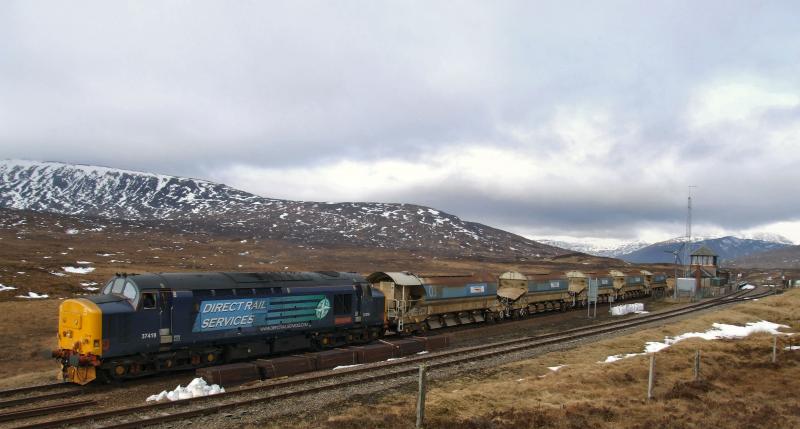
(148, 300)
(342, 304)
(131, 292)
(119, 284)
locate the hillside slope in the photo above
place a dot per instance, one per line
(787, 257)
(192, 204)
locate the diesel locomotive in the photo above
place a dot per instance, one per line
(148, 323)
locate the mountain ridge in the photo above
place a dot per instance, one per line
(728, 248)
(107, 192)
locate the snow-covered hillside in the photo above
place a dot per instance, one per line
(197, 204)
(598, 247)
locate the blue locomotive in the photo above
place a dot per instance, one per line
(148, 323)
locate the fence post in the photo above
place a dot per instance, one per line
(421, 397)
(650, 379)
(697, 365)
(774, 349)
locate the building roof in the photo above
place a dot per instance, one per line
(703, 251)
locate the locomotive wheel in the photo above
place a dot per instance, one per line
(119, 370)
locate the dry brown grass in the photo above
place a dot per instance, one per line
(740, 388)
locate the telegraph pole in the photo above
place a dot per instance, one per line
(688, 249)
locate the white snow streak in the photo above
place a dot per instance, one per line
(717, 332)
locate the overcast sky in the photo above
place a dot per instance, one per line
(578, 119)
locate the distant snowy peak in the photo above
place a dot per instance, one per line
(598, 247)
(727, 248)
(767, 236)
(190, 204)
(758, 236)
(738, 245)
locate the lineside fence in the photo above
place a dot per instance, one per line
(776, 349)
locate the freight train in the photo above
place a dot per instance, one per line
(144, 324)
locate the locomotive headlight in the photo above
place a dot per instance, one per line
(68, 333)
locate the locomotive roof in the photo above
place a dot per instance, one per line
(222, 280)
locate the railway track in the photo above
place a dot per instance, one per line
(35, 394)
(21, 391)
(151, 414)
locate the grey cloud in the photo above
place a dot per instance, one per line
(191, 89)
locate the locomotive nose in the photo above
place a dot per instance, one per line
(80, 327)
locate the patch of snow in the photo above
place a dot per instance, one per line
(78, 270)
(346, 366)
(717, 332)
(85, 284)
(105, 255)
(423, 352)
(89, 288)
(195, 389)
(33, 295)
(747, 287)
(4, 288)
(84, 262)
(792, 348)
(72, 231)
(619, 310)
(555, 368)
(59, 274)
